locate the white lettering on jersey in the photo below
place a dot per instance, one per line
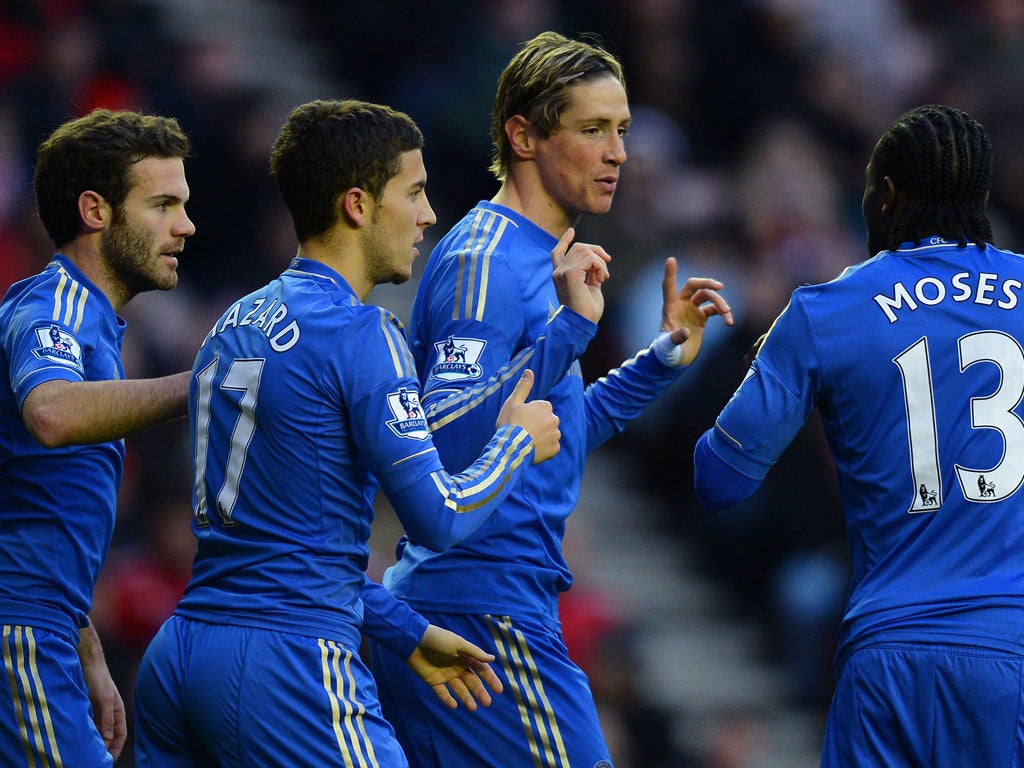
(985, 289)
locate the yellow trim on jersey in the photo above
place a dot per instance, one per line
(469, 399)
(475, 264)
(350, 729)
(25, 700)
(401, 357)
(65, 309)
(485, 477)
(535, 710)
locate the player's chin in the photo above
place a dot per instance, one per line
(401, 277)
(166, 280)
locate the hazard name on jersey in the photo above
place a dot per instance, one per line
(270, 319)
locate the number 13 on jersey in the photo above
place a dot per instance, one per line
(996, 411)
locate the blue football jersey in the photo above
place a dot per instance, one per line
(57, 505)
(302, 400)
(486, 309)
(915, 359)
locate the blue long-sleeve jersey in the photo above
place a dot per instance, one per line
(57, 505)
(486, 310)
(915, 359)
(303, 399)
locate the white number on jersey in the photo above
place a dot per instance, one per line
(992, 412)
(243, 376)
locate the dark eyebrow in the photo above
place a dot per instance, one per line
(166, 199)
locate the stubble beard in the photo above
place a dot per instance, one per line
(381, 260)
(130, 255)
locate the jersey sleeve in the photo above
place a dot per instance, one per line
(42, 347)
(475, 353)
(436, 508)
(619, 396)
(390, 621)
(763, 416)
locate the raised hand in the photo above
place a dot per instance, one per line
(578, 271)
(685, 313)
(455, 668)
(535, 417)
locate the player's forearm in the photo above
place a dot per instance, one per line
(59, 413)
(439, 510)
(617, 398)
(389, 621)
(718, 486)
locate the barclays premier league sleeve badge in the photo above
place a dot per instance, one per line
(457, 359)
(58, 346)
(409, 420)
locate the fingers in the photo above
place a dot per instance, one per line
(558, 254)
(713, 303)
(522, 390)
(442, 692)
(468, 689)
(703, 292)
(465, 648)
(112, 725)
(694, 284)
(668, 283)
(489, 676)
(589, 259)
(592, 260)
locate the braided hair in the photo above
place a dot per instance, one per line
(942, 159)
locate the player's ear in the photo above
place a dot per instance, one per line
(894, 201)
(94, 211)
(354, 207)
(520, 138)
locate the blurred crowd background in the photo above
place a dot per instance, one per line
(753, 121)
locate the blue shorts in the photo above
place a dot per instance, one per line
(545, 718)
(941, 706)
(45, 715)
(239, 697)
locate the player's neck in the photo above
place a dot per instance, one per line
(85, 252)
(528, 198)
(342, 251)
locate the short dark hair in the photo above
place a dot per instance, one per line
(328, 147)
(536, 83)
(97, 152)
(942, 158)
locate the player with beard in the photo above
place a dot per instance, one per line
(111, 192)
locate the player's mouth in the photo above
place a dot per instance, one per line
(608, 183)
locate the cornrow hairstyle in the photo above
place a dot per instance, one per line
(942, 158)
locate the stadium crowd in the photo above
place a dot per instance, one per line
(752, 119)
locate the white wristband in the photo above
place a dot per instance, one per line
(669, 353)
